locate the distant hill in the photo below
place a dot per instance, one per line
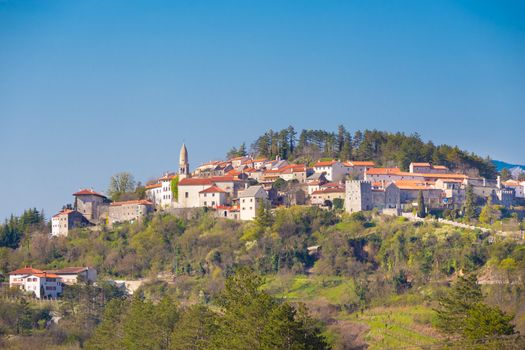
(515, 169)
(500, 165)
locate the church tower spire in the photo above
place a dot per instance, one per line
(184, 165)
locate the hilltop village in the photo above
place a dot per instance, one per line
(238, 187)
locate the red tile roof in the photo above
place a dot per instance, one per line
(63, 212)
(359, 163)
(441, 167)
(137, 201)
(421, 164)
(148, 187)
(326, 163)
(383, 171)
(88, 192)
(413, 185)
(225, 178)
(213, 189)
(45, 274)
(25, 271)
(329, 190)
(68, 270)
(226, 207)
(195, 181)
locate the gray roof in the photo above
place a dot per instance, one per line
(251, 191)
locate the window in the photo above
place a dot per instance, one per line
(186, 194)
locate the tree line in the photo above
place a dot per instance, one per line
(384, 148)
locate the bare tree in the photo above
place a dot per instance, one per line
(121, 183)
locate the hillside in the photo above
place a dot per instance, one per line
(384, 148)
(374, 280)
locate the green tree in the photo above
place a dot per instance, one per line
(338, 203)
(252, 319)
(175, 187)
(487, 322)
(462, 312)
(195, 330)
(505, 174)
(488, 214)
(109, 333)
(121, 183)
(421, 210)
(469, 208)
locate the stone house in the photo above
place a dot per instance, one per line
(66, 220)
(134, 210)
(212, 197)
(356, 169)
(320, 197)
(249, 200)
(92, 205)
(333, 170)
(358, 196)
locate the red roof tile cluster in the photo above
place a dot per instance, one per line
(413, 185)
(195, 181)
(88, 192)
(149, 187)
(383, 171)
(325, 163)
(137, 201)
(359, 163)
(213, 189)
(329, 190)
(63, 212)
(25, 271)
(428, 165)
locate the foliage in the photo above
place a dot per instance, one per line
(175, 188)
(489, 213)
(469, 209)
(120, 184)
(384, 148)
(421, 209)
(462, 312)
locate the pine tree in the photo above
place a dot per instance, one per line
(488, 214)
(469, 210)
(454, 307)
(195, 330)
(421, 210)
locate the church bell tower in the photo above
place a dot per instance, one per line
(184, 166)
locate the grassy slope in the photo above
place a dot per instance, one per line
(390, 326)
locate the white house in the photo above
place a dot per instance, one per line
(333, 170)
(356, 169)
(153, 193)
(166, 195)
(249, 201)
(66, 220)
(71, 275)
(212, 197)
(189, 190)
(41, 283)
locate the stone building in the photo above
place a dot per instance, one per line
(66, 220)
(91, 204)
(212, 197)
(129, 211)
(249, 200)
(358, 196)
(387, 197)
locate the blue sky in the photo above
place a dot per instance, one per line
(90, 88)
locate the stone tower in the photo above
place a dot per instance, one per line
(184, 166)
